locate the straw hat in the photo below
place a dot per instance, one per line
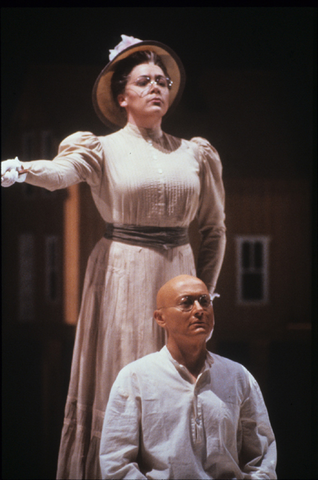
(105, 106)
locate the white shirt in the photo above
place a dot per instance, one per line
(160, 424)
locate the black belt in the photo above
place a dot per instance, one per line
(156, 237)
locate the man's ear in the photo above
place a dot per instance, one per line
(159, 318)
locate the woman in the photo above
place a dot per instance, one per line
(148, 186)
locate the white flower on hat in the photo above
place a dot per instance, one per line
(125, 43)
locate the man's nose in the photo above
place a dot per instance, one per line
(197, 305)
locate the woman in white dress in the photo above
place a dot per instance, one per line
(148, 186)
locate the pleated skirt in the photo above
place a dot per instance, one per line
(115, 327)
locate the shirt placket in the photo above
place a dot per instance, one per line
(197, 421)
(196, 416)
(160, 175)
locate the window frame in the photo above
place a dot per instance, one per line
(263, 271)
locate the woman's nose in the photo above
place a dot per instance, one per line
(154, 86)
(151, 87)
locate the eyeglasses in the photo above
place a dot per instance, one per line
(144, 81)
(187, 302)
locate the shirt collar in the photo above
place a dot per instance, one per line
(207, 365)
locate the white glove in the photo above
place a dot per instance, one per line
(9, 172)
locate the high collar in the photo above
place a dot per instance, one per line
(154, 134)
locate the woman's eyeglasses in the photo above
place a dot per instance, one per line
(145, 82)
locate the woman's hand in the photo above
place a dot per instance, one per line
(12, 171)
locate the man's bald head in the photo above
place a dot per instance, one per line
(181, 313)
(177, 285)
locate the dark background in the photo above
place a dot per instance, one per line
(242, 38)
(279, 39)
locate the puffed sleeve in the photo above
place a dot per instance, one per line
(210, 215)
(79, 159)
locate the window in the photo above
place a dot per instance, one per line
(252, 269)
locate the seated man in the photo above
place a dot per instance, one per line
(183, 412)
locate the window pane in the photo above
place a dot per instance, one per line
(258, 255)
(246, 249)
(252, 286)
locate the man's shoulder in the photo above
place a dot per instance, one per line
(230, 378)
(143, 364)
(220, 362)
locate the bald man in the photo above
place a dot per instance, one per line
(183, 412)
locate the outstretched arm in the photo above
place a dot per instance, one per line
(79, 159)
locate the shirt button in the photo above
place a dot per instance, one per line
(159, 170)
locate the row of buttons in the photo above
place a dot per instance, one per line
(154, 156)
(160, 203)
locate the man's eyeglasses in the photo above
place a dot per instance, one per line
(187, 302)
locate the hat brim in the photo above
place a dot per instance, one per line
(105, 105)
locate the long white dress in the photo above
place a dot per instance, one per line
(142, 178)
